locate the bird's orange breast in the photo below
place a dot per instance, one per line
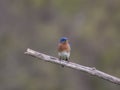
(64, 47)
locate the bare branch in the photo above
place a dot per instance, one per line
(90, 70)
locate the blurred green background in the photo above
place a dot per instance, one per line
(93, 29)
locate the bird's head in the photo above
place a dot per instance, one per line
(63, 40)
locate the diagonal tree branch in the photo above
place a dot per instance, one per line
(90, 70)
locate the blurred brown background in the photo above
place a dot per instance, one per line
(92, 26)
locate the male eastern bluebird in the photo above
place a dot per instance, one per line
(64, 49)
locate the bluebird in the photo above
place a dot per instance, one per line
(64, 49)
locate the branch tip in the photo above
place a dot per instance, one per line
(28, 50)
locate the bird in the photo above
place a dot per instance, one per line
(64, 49)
